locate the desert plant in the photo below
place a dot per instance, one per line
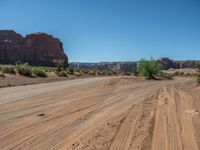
(126, 73)
(70, 70)
(198, 74)
(176, 73)
(198, 78)
(8, 70)
(167, 75)
(182, 74)
(24, 69)
(2, 75)
(39, 72)
(18, 62)
(149, 68)
(59, 63)
(62, 74)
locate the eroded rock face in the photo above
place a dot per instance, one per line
(37, 49)
(166, 63)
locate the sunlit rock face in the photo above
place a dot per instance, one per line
(38, 49)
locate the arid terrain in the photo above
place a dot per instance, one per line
(16, 80)
(114, 113)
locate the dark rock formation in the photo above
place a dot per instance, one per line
(166, 63)
(38, 49)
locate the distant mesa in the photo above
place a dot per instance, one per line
(167, 63)
(113, 66)
(132, 66)
(39, 49)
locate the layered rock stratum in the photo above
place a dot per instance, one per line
(38, 49)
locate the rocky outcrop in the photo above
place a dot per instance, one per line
(166, 63)
(36, 49)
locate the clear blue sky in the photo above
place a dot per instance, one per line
(111, 30)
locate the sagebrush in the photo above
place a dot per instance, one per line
(39, 72)
(8, 70)
(24, 69)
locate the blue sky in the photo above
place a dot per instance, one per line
(111, 30)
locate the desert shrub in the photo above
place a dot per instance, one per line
(8, 70)
(85, 71)
(127, 73)
(18, 62)
(198, 74)
(70, 70)
(46, 69)
(109, 73)
(77, 74)
(62, 74)
(2, 75)
(167, 75)
(182, 74)
(176, 73)
(98, 72)
(59, 63)
(149, 68)
(92, 72)
(198, 78)
(24, 69)
(39, 72)
(106, 72)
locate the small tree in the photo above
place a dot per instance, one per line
(149, 68)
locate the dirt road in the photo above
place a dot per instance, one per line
(114, 113)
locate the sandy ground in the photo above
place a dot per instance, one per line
(15, 80)
(114, 113)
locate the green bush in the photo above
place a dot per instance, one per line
(8, 70)
(62, 74)
(70, 70)
(39, 72)
(24, 69)
(149, 68)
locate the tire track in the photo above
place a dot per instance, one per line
(126, 131)
(173, 127)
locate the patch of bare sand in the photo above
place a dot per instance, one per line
(116, 113)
